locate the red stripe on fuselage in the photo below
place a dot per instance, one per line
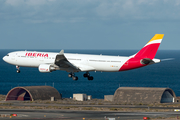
(132, 63)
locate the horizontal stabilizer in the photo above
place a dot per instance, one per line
(156, 60)
(147, 61)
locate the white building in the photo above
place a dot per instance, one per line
(80, 97)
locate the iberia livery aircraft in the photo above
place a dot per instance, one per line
(48, 61)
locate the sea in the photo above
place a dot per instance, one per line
(165, 74)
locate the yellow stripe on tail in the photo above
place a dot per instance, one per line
(156, 37)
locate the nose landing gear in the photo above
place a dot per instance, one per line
(18, 71)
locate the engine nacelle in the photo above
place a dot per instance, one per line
(46, 68)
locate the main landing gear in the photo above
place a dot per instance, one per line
(18, 71)
(88, 76)
(71, 75)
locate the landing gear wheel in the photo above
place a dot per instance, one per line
(70, 75)
(86, 75)
(18, 71)
(90, 78)
(74, 78)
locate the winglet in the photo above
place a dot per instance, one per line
(61, 52)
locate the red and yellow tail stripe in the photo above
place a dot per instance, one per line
(156, 39)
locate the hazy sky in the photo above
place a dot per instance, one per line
(88, 24)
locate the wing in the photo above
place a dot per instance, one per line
(64, 64)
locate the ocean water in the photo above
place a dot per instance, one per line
(164, 74)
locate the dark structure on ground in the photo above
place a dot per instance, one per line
(137, 95)
(33, 93)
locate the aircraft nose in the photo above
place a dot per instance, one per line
(4, 58)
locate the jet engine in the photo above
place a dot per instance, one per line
(46, 68)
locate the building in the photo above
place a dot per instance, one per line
(33, 93)
(80, 97)
(144, 95)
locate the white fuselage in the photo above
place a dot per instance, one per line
(49, 61)
(83, 61)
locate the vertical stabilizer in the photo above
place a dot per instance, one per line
(145, 56)
(150, 49)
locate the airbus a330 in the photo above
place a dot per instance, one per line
(72, 63)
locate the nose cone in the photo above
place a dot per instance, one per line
(4, 58)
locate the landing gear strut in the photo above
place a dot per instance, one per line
(18, 71)
(71, 75)
(88, 76)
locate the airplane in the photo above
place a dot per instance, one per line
(72, 63)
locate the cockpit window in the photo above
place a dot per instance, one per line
(7, 55)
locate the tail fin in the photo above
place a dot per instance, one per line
(150, 49)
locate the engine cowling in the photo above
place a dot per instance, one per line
(45, 68)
